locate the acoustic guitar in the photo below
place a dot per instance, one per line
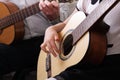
(83, 40)
(11, 21)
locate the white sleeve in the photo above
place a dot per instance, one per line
(80, 5)
(51, 79)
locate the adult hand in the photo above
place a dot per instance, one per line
(50, 9)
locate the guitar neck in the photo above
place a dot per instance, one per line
(19, 15)
(98, 14)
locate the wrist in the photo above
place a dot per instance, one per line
(58, 27)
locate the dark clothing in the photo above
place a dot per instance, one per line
(20, 55)
(108, 70)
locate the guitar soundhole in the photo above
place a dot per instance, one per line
(67, 45)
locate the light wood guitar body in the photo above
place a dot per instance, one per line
(83, 50)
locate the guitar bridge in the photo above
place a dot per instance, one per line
(48, 65)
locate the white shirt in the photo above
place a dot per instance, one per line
(112, 19)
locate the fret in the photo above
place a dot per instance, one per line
(21, 15)
(8, 20)
(16, 17)
(13, 18)
(29, 11)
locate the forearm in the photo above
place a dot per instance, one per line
(58, 27)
